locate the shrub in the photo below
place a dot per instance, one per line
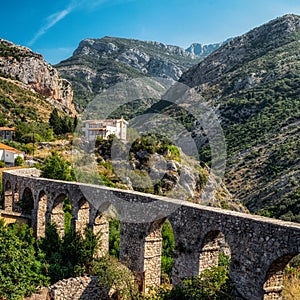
(115, 277)
(211, 284)
(55, 167)
(19, 161)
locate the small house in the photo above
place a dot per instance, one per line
(103, 128)
(9, 154)
(6, 133)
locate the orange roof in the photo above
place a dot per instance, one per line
(7, 128)
(11, 149)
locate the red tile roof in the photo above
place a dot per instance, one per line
(11, 149)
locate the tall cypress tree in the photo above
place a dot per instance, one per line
(55, 122)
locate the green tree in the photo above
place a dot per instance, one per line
(114, 237)
(19, 161)
(21, 272)
(55, 122)
(55, 167)
(33, 132)
(70, 256)
(62, 124)
(168, 245)
(211, 284)
(75, 123)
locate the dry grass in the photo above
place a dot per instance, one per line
(292, 285)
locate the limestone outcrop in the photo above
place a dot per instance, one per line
(20, 63)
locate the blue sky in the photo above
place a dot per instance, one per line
(54, 28)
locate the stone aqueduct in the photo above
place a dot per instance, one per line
(260, 248)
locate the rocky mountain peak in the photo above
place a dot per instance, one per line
(98, 64)
(108, 45)
(29, 68)
(96, 48)
(203, 50)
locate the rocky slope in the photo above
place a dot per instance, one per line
(19, 104)
(29, 70)
(253, 84)
(151, 164)
(203, 51)
(98, 64)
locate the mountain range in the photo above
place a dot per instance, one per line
(251, 82)
(98, 64)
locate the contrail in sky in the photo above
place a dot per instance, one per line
(53, 19)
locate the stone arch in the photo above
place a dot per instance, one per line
(101, 220)
(153, 255)
(168, 249)
(213, 244)
(100, 227)
(82, 220)
(16, 198)
(273, 286)
(8, 196)
(26, 203)
(41, 214)
(57, 215)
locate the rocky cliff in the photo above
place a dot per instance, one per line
(98, 64)
(29, 68)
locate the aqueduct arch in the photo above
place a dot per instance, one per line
(57, 215)
(213, 245)
(41, 217)
(260, 247)
(273, 286)
(8, 196)
(26, 203)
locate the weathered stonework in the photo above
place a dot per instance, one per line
(260, 247)
(80, 288)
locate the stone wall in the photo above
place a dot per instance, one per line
(259, 247)
(80, 288)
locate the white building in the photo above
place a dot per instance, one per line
(9, 154)
(104, 128)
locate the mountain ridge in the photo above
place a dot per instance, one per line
(253, 85)
(98, 64)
